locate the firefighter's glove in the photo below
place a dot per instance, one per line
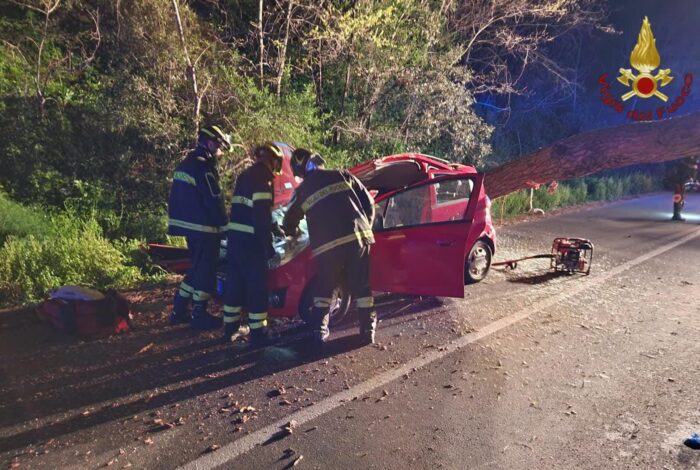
(277, 230)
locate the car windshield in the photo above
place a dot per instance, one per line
(287, 248)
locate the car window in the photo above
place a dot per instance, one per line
(415, 206)
(453, 191)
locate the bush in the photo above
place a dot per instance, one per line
(67, 251)
(599, 188)
(18, 220)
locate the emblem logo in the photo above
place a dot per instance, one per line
(645, 59)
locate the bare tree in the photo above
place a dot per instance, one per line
(191, 73)
(283, 50)
(261, 36)
(501, 38)
(43, 71)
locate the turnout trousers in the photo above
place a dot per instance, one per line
(246, 286)
(346, 265)
(200, 280)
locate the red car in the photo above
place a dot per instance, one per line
(433, 235)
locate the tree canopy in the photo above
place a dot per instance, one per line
(99, 98)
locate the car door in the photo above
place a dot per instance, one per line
(420, 247)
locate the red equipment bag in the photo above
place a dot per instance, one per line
(88, 318)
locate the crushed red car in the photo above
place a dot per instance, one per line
(433, 235)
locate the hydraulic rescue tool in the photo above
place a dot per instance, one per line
(569, 255)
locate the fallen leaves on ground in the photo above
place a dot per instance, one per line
(277, 392)
(145, 348)
(294, 462)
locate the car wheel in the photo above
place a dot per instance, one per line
(340, 305)
(478, 263)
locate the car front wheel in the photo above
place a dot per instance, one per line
(478, 263)
(340, 305)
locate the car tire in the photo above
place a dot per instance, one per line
(339, 309)
(477, 263)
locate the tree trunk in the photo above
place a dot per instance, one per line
(191, 74)
(341, 114)
(262, 45)
(598, 150)
(283, 53)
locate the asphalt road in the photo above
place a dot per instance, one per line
(530, 370)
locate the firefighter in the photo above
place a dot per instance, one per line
(686, 171)
(339, 212)
(678, 203)
(249, 238)
(196, 211)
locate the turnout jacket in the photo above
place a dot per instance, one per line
(196, 206)
(338, 208)
(251, 209)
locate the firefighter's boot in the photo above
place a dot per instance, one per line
(232, 321)
(260, 338)
(368, 326)
(203, 320)
(677, 208)
(230, 329)
(180, 307)
(321, 333)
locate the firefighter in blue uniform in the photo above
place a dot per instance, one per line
(686, 173)
(249, 238)
(196, 211)
(339, 213)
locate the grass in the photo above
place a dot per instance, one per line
(576, 192)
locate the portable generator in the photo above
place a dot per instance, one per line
(572, 255)
(569, 255)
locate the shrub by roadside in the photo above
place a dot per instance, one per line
(36, 257)
(580, 191)
(18, 220)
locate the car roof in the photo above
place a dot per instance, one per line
(396, 171)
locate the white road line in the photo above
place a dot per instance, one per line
(247, 443)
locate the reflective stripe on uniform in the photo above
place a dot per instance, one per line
(262, 196)
(232, 314)
(343, 240)
(257, 324)
(191, 226)
(200, 295)
(257, 316)
(185, 290)
(240, 228)
(184, 177)
(677, 198)
(322, 193)
(186, 287)
(365, 302)
(242, 200)
(321, 302)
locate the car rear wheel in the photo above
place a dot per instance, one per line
(478, 263)
(340, 305)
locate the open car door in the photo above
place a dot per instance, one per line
(421, 235)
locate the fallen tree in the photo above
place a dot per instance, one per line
(598, 150)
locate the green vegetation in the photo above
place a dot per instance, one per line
(98, 104)
(19, 221)
(571, 193)
(50, 251)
